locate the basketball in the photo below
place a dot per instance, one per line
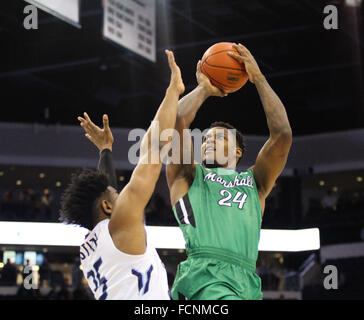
(223, 70)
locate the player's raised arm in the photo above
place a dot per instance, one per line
(180, 175)
(103, 140)
(273, 155)
(127, 220)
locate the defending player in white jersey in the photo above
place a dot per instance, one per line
(118, 261)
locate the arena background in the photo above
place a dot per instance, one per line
(51, 75)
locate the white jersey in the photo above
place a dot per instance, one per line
(115, 275)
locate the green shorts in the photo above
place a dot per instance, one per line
(214, 274)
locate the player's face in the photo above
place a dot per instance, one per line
(108, 200)
(215, 148)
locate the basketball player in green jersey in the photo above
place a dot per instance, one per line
(219, 209)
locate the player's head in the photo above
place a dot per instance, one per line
(88, 199)
(222, 146)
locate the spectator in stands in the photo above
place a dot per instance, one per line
(80, 293)
(28, 294)
(53, 294)
(45, 273)
(46, 202)
(59, 292)
(155, 211)
(22, 205)
(357, 201)
(8, 200)
(9, 274)
(329, 201)
(262, 268)
(77, 274)
(271, 272)
(36, 204)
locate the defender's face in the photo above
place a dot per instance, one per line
(107, 202)
(215, 148)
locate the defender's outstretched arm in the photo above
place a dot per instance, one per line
(103, 140)
(126, 223)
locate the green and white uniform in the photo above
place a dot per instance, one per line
(220, 218)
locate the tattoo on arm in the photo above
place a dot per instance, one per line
(273, 107)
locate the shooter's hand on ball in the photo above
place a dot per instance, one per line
(101, 138)
(247, 59)
(205, 83)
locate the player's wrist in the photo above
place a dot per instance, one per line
(105, 147)
(204, 91)
(174, 89)
(258, 78)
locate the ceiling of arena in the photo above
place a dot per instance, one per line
(317, 73)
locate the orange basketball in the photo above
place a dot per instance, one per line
(224, 71)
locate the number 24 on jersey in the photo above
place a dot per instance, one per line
(239, 198)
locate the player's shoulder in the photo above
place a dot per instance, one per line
(245, 171)
(101, 226)
(97, 232)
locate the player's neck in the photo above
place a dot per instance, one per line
(100, 218)
(217, 166)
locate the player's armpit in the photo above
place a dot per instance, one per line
(182, 182)
(184, 164)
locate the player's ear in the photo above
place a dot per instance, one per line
(106, 207)
(239, 152)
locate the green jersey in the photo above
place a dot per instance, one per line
(221, 210)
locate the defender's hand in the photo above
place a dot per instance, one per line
(101, 138)
(247, 59)
(176, 77)
(205, 83)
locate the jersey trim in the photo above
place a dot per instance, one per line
(256, 188)
(184, 211)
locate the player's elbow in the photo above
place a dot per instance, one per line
(285, 136)
(281, 142)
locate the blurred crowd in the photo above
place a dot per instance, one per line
(27, 204)
(159, 213)
(335, 205)
(51, 284)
